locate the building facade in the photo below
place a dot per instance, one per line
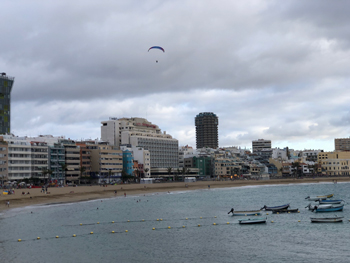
(342, 144)
(207, 130)
(260, 145)
(6, 84)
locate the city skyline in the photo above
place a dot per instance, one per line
(268, 70)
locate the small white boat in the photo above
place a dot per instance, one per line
(318, 197)
(252, 221)
(245, 213)
(327, 219)
(330, 201)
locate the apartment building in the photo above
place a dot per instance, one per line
(106, 161)
(342, 144)
(334, 163)
(261, 144)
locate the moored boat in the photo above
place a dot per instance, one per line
(245, 213)
(252, 221)
(295, 210)
(318, 197)
(325, 208)
(273, 208)
(330, 201)
(327, 219)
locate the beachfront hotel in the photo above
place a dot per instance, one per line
(6, 84)
(207, 130)
(138, 132)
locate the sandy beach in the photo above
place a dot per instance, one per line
(84, 193)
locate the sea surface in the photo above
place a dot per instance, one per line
(183, 228)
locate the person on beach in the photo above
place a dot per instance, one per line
(8, 203)
(124, 194)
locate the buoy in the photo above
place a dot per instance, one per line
(38, 238)
(128, 220)
(74, 235)
(214, 224)
(277, 213)
(271, 221)
(228, 223)
(199, 225)
(98, 222)
(113, 232)
(298, 220)
(143, 219)
(161, 219)
(298, 211)
(57, 236)
(183, 226)
(157, 219)
(288, 212)
(91, 233)
(256, 214)
(19, 240)
(153, 228)
(200, 217)
(81, 224)
(112, 222)
(186, 218)
(169, 227)
(126, 230)
(215, 216)
(267, 213)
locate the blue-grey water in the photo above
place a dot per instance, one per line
(283, 240)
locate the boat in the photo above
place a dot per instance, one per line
(318, 197)
(273, 208)
(296, 210)
(335, 219)
(330, 201)
(245, 213)
(252, 221)
(325, 208)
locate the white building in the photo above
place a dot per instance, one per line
(280, 154)
(142, 156)
(25, 159)
(138, 132)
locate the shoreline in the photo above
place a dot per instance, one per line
(86, 193)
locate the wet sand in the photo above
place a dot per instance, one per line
(84, 193)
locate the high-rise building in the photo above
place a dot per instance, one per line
(207, 130)
(6, 83)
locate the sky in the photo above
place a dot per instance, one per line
(274, 70)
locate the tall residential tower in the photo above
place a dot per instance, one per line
(6, 83)
(207, 130)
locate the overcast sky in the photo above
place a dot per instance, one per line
(276, 70)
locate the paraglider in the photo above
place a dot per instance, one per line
(156, 47)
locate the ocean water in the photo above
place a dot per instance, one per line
(283, 240)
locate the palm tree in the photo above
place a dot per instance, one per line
(44, 172)
(64, 167)
(109, 175)
(169, 170)
(145, 171)
(82, 170)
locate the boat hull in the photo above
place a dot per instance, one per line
(247, 213)
(274, 208)
(327, 220)
(252, 221)
(330, 201)
(286, 211)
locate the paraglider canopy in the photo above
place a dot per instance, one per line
(156, 47)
